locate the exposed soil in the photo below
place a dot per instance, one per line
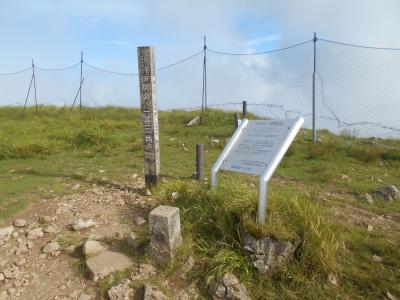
(59, 275)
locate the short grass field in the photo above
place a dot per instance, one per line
(315, 195)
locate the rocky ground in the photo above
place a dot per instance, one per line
(62, 248)
(58, 248)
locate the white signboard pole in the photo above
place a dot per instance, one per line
(257, 147)
(266, 176)
(217, 165)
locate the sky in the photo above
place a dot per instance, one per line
(54, 33)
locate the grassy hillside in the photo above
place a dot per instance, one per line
(315, 195)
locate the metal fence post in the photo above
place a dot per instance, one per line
(244, 112)
(34, 85)
(199, 162)
(314, 129)
(80, 85)
(236, 120)
(204, 91)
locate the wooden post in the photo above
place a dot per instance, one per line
(148, 105)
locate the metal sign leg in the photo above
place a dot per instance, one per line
(262, 202)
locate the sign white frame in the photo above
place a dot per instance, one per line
(270, 168)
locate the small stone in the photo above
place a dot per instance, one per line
(20, 262)
(106, 263)
(133, 176)
(35, 233)
(119, 235)
(389, 193)
(84, 296)
(175, 195)
(148, 193)
(370, 227)
(51, 247)
(390, 296)
(93, 247)
(376, 258)
(50, 229)
(5, 232)
(44, 219)
(139, 221)
(332, 278)
(143, 272)
(76, 186)
(70, 249)
(82, 224)
(344, 176)
(29, 244)
(8, 274)
(14, 234)
(193, 122)
(368, 198)
(20, 222)
(134, 240)
(229, 287)
(186, 267)
(121, 292)
(152, 293)
(191, 292)
(2, 277)
(214, 141)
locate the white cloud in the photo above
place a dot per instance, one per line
(54, 33)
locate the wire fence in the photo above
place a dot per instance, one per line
(357, 88)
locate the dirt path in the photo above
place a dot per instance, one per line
(28, 273)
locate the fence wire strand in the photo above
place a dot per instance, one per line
(257, 53)
(357, 86)
(16, 72)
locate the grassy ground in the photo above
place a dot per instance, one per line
(309, 198)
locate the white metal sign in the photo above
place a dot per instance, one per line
(257, 147)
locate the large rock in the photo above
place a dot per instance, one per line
(165, 229)
(152, 293)
(106, 263)
(228, 287)
(91, 248)
(267, 253)
(389, 193)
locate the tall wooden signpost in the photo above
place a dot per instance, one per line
(149, 115)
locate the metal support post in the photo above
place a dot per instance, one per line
(244, 104)
(199, 162)
(314, 129)
(80, 83)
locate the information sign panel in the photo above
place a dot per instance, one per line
(257, 145)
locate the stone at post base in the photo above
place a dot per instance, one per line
(165, 230)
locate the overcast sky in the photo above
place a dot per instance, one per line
(54, 33)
